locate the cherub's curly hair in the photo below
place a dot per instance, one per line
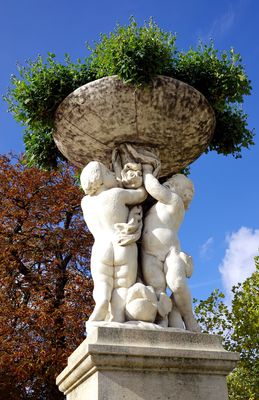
(178, 180)
(91, 177)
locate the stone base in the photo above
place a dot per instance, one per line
(135, 364)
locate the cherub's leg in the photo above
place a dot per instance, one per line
(153, 273)
(176, 280)
(118, 303)
(103, 285)
(174, 318)
(125, 275)
(164, 308)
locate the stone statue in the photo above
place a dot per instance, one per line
(114, 215)
(163, 263)
(140, 134)
(113, 266)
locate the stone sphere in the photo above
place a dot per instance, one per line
(167, 115)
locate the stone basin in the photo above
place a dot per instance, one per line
(167, 115)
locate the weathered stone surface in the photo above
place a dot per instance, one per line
(141, 303)
(132, 364)
(168, 115)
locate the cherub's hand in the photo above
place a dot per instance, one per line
(147, 169)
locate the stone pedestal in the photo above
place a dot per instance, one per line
(135, 364)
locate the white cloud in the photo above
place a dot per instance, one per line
(238, 262)
(206, 248)
(222, 24)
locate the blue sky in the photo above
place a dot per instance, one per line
(221, 229)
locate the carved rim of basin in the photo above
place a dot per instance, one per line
(167, 115)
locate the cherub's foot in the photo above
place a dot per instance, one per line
(118, 316)
(175, 318)
(164, 305)
(163, 322)
(192, 325)
(100, 312)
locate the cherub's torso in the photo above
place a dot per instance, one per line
(101, 212)
(161, 226)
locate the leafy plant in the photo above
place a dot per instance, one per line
(222, 80)
(136, 55)
(239, 328)
(34, 98)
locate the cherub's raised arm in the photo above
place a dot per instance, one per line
(154, 187)
(134, 196)
(117, 167)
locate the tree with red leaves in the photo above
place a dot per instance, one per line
(46, 287)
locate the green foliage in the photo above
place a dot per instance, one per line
(41, 150)
(231, 133)
(240, 330)
(213, 315)
(136, 55)
(243, 382)
(34, 98)
(245, 316)
(219, 76)
(222, 80)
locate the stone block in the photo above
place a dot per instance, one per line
(135, 364)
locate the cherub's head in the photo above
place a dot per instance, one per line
(95, 175)
(183, 186)
(131, 176)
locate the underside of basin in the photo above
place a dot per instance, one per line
(167, 115)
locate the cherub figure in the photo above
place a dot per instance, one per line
(131, 176)
(163, 263)
(113, 266)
